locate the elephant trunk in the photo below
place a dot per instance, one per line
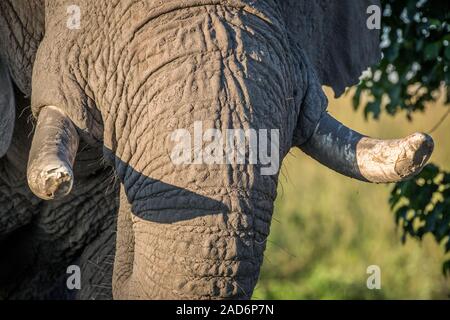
(189, 253)
(197, 229)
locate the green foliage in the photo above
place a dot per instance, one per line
(422, 206)
(327, 229)
(414, 71)
(416, 59)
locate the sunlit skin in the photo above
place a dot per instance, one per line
(110, 83)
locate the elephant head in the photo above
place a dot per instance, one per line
(135, 72)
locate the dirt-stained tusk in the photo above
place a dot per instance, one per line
(368, 159)
(53, 152)
(383, 161)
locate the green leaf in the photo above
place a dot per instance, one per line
(446, 179)
(373, 108)
(447, 52)
(432, 51)
(433, 217)
(430, 172)
(435, 23)
(391, 53)
(395, 95)
(401, 214)
(357, 98)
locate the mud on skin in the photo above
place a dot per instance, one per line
(131, 75)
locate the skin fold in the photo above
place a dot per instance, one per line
(132, 74)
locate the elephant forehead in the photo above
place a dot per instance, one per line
(125, 52)
(214, 71)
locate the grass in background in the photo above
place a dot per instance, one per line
(327, 229)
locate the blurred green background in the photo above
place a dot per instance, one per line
(327, 229)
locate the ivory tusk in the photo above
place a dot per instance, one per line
(368, 159)
(53, 151)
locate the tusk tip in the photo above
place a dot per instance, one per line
(417, 151)
(423, 140)
(51, 183)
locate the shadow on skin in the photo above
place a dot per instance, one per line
(149, 198)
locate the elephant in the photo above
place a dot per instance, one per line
(88, 112)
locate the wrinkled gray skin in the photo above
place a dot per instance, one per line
(133, 73)
(39, 239)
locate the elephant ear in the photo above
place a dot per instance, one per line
(7, 109)
(336, 38)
